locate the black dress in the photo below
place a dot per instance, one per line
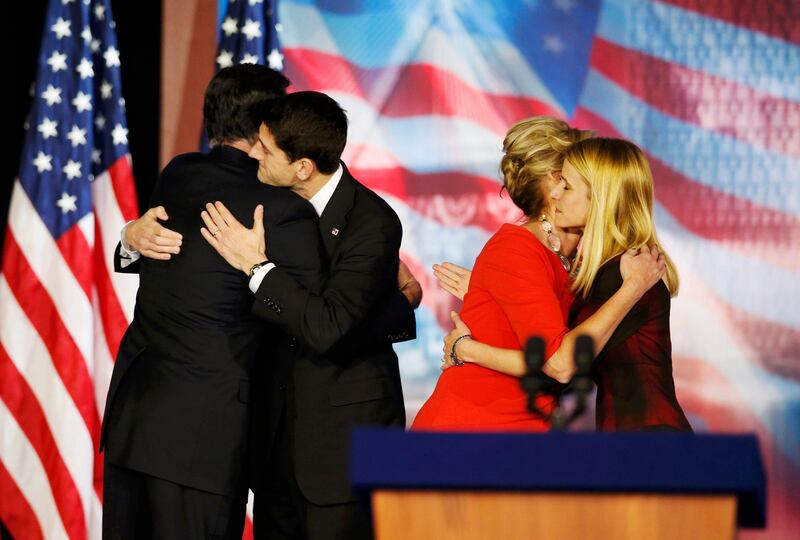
(633, 372)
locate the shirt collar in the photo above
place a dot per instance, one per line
(323, 196)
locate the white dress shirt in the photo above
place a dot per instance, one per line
(319, 201)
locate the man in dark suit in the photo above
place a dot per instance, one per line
(340, 377)
(177, 413)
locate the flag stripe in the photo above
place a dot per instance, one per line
(774, 345)
(703, 43)
(495, 66)
(111, 315)
(28, 475)
(38, 308)
(699, 311)
(454, 242)
(74, 247)
(446, 197)
(51, 269)
(23, 405)
(736, 277)
(31, 358)
(16, 513)
(452, 143)
(103, 358)
(416, 89)
(775, 18)
(121, 174)
(707, 101)
(673, 141)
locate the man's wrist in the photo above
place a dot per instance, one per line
(259, 275)
(127, 247)
(251, 270)
(412, 290)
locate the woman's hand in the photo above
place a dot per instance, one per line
(460, 329)
(642, 268)
(452, 278)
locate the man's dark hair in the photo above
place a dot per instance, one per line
(307, 125)
(230, 96)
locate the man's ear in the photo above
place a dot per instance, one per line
(306, 169)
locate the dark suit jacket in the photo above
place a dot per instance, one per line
(633, 373)
(177, 406)
(338, 378)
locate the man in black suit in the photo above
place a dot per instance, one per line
(177, 413)
(339, 378)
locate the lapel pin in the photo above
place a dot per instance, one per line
(335, 231)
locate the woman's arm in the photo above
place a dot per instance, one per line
(640, 271)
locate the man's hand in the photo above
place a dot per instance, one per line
(452, 278)
(409, 285)
(147, 236)
(239, 246)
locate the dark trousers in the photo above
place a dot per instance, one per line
(140, 506)
(281, 511)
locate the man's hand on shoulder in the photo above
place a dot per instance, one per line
(147, 236)
(241, 247)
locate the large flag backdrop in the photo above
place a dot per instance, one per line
(708, 89)
(63, 310)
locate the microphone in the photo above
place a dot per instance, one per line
(580, 385)
(534, 381)
(584, 355)
(582, 380)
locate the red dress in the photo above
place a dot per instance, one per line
(518, 289)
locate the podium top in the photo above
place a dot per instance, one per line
(590, 462)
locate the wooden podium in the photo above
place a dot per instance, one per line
(558, 485)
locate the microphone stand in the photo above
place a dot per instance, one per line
(535, 382)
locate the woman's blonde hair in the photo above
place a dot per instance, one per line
(620, 215)
(534, 148)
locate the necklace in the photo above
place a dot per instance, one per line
(554, 242)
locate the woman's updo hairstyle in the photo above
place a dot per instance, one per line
(534, 148)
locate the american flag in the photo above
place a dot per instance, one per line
(246, 34)
(63, 309)
(709, 89)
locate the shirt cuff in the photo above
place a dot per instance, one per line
(258, 276)
(126, 254)
(126, 250)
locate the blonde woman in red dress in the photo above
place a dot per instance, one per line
(520, 287)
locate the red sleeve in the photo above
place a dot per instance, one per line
(520, 277)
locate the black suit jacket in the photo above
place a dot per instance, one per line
(338, 377)
(177, 406)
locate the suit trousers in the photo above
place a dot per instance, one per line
(282, 512)
(139, 506)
